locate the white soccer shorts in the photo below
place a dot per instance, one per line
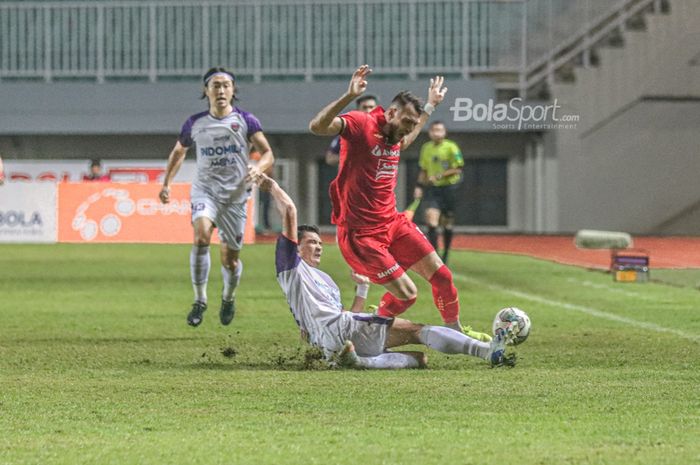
(367, 331)
(229, 218)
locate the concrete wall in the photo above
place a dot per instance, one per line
(35, 108)
(632, 163)
(635, 173)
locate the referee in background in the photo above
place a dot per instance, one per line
(441, 165)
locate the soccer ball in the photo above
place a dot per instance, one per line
(520, 320)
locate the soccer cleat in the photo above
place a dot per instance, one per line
(346, 357)
(227, 311)
(196, 315)
(483, 337)
(497, 349)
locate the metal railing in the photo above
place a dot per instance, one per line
(522, 42)
(560, 43)
(298, 38)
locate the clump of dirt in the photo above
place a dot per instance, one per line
(313, 359)
(229, 352)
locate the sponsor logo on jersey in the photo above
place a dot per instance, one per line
(386, 169)
(219, 150)
(235, 126)
(386, 273)
(377, 151)
(223, 162)
(220, 139)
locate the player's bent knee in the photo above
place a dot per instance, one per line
(200, 241)
(408, 293)
(230, 265)
(443, 276)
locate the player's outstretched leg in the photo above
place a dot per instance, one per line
(497, 348)
(200, 263)
(449, 341)
(348, 358)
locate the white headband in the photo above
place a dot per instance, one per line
(220, 74)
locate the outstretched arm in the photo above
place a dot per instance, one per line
(174, 162)
(327, 122)
(436, 94)
(262, 146)
(284, 204)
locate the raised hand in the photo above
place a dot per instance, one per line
(164, 194)
(358, 82)
(254, 174)
(436, 93)
(265, 182)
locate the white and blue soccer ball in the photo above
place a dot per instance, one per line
(518, 318)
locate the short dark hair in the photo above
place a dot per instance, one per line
(213, 71)
(405, 97)
(95, 162)
(302, 228)
(362, 99)
(435, 123)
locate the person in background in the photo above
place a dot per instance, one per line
(2, 173)
(96, 173)
(440, 174)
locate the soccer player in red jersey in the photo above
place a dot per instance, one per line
(374, 238)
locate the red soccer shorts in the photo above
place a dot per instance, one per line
(384, 253)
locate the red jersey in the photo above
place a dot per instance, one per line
(363, 192)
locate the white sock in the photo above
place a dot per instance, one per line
(231, 280)
(200, 263)
(388, 361)
(449, 341)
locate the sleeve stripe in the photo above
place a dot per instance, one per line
(286, 256)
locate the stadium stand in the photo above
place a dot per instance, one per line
(623, 71)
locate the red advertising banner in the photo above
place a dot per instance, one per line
(112, 212)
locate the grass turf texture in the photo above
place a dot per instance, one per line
(678, 277)
(98, 366)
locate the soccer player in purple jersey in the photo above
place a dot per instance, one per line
(358, 339)
(221, 136)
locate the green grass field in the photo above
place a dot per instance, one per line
(98, 366)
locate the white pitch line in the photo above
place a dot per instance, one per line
(578, 308)
(608, 288)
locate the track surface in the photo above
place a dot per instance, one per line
(664, 252)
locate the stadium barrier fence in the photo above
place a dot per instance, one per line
(99, 212)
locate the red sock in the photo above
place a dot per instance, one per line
(390, 306)
(445, 295)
